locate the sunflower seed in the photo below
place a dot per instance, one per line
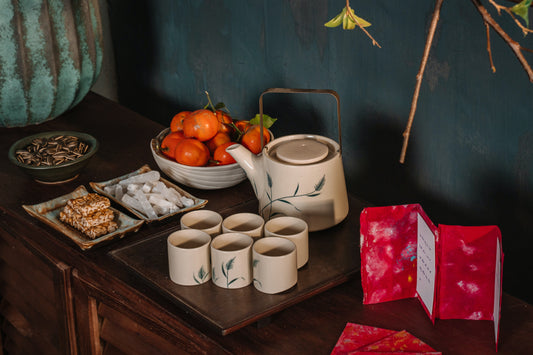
(53, 151)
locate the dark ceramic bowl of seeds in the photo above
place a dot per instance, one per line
(53, 157)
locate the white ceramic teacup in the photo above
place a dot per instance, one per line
(248, 223)
(204, 220)
(294, 229)
(188, 257)
(274, 265)
(231, 260)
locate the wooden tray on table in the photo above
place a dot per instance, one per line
(333, 259)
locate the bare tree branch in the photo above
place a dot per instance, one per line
(515, 46)
(429, 41)
(374, 42)
(487, 29)
(499, 8)
(489, 23)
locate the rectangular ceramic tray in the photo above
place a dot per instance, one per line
(100, 186)
(48, 213)
(333, 258)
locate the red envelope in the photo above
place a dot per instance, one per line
(454, 271)
(389, 251)
(363, 339)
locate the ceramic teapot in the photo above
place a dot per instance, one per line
(299, 175)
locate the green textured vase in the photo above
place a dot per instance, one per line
(50, 56)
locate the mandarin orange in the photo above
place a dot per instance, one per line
(176, 125)
(221, 156)
(218, 139)
(192, 152)
(251, 139)
(200, 124)
(168, 144)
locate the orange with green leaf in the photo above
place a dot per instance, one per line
(200, 137)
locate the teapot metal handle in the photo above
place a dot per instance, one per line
(301, 91)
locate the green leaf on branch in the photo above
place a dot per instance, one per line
(348, 19)
(522, 9)
(351, 15)
(267, 120)
(337, 20)
(221, 106)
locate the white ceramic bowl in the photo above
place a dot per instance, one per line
(203, 177)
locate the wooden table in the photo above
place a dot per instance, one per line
(56, 298)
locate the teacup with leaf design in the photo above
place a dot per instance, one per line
(188, 257)
(274, 265)
(231, 259)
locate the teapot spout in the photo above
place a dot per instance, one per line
(249, 162)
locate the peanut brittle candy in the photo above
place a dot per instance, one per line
(88, 204)
(79, 221)
(101, 229)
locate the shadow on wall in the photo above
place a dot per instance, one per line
(134, 53)
(514, 215)
(106, 84)
(378, 139)
(299, 113)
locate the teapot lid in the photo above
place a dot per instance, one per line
(302, 151)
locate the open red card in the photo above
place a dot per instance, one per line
(454, 271)
(363, 339)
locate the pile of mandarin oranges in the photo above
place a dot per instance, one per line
(200, 138)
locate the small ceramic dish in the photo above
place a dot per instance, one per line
(48, 213)
(53, 174)
(99, 187)
(214, 177)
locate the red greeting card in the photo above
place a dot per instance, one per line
(455, 271)
(363, 339)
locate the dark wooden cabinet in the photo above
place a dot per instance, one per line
(114, 321)
(36, 299)
(48, 307)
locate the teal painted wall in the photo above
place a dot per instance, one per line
(470, 159)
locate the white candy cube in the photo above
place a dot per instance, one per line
(152, 175)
